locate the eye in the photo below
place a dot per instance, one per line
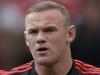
(50, 29)
(33, 31)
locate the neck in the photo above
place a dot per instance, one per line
(59, 68)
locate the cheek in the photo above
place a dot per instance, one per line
(58, 46)
(31, 43)
(31, 47)
(58, 41)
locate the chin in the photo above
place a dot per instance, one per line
(44, 61)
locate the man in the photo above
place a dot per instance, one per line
(48, 35)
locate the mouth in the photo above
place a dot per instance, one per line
(42, 49)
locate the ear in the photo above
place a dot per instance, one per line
(26, 38)
(71, 33)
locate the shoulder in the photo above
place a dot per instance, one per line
(17, 70)
(87, 69)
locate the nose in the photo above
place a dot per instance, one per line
(41, 38)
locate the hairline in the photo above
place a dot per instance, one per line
(47, 5)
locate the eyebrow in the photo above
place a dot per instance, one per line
(32, 28)
(50, 27)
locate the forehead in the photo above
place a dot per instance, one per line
(47, 16)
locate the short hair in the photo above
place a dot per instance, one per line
(46, 5)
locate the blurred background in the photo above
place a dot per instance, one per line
(85, 15)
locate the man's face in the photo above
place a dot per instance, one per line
(46, 36)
